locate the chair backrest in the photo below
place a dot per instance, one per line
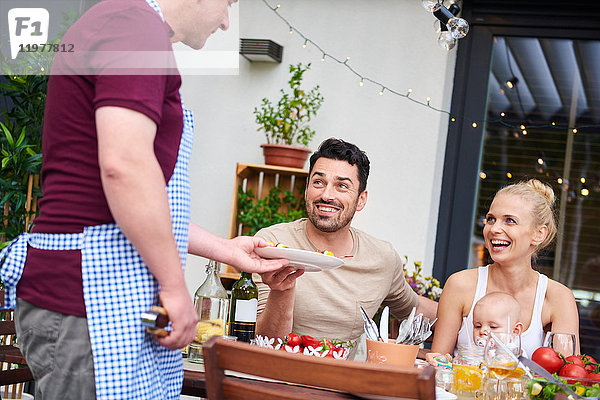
(11, 378)
(342, 376)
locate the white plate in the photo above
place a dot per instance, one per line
(310, 261)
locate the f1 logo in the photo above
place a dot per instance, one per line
(27, 26)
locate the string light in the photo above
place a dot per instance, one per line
(560, 181)
(585, 191)
(582, 179)
(474, 124)
(540, 161)
(381, 91)
(452, 119)
(508, 175)
(361, 83)
(346, 63)
(525, 132)
(482, 175)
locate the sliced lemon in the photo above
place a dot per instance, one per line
(536, 389)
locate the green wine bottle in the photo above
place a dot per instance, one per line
(242, 308)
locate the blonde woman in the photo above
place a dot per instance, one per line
(519, 224)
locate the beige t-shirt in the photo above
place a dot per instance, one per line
(327, 303)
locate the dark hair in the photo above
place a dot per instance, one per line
(337, 149)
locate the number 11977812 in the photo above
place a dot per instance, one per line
(48, 47)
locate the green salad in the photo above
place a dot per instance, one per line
(540, 388)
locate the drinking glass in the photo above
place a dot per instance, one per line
(563, 343)
(491, 389)
(500, 362)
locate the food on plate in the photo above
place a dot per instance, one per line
(283, 246)
(307, 345)
(581, 373)
(541, 389)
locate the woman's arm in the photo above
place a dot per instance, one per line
(562, 310)
(459, 288)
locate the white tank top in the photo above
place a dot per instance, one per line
(531, 339)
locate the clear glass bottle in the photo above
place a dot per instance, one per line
(212, 305)
(244, 304)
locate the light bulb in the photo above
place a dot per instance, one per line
(458, 27)
(446, 40)
(430, 5)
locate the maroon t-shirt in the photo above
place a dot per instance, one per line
(72, 190)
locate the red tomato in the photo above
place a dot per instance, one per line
(573, 371)
(294, 340)
(591, 367)
(594, 376)
(574, 360)
(588, 359)
(309, 341)
(548, 359)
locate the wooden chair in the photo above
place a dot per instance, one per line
(302, 377)
(13, 367)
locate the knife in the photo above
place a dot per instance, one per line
(370, 326)
(536, 368)
(383, 324)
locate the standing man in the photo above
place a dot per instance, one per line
(114, 225)
(327, 304)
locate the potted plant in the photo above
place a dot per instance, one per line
(285, 124)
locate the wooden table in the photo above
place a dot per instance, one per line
(194, 381)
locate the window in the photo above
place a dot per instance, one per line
(514, 70)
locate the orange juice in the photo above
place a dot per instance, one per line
(469, 378)
(516, 374)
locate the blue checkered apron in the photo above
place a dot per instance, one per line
(117, 288)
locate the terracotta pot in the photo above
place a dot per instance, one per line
(402, 355)
(285, 155)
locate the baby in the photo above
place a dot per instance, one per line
(491, 313)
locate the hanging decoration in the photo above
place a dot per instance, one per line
(456, 28)
(451, 27)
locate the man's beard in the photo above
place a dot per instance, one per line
(330, 224)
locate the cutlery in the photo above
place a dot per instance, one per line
(383, 324)
(370, 326)
(405, 326)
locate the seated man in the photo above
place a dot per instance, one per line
(327, 304)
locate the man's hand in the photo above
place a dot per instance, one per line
(283, 279)
(244, 258)
(182, 314)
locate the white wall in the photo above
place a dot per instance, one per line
(390, 41)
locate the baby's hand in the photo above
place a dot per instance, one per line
(436, 359)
